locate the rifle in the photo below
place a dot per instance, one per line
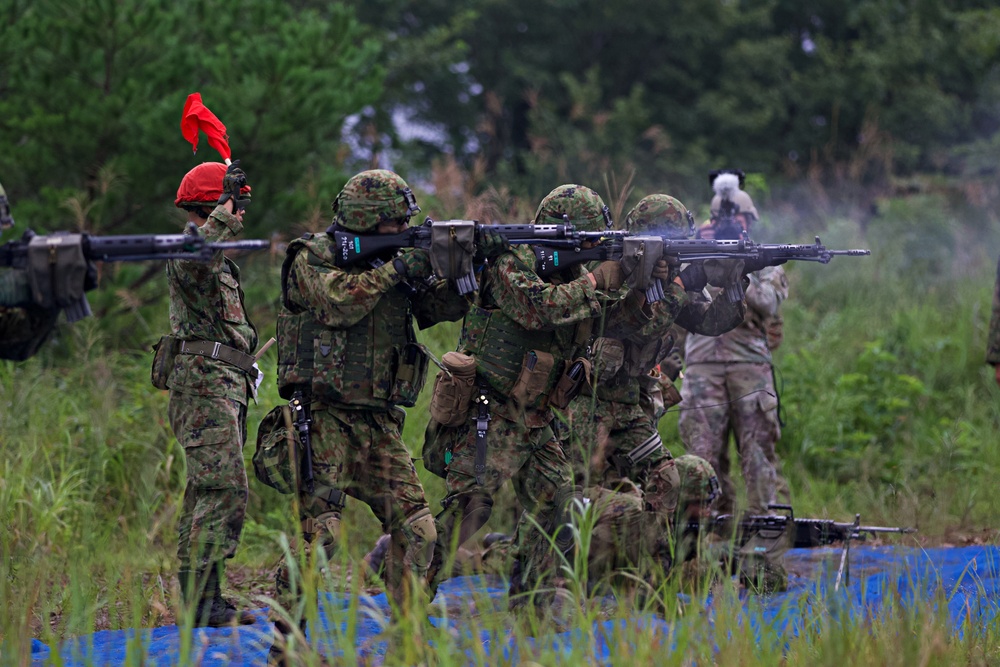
(642, 252)
(44, 255)
(452, 244)
(806, 533)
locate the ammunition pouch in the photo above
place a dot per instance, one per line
(164, 353)
(276, 456)
(533, 379)
(608, 355)
(570, 383)
(453, 245)
(639, 257)
(411, 374)
(453, 389)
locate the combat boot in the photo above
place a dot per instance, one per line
(212, 610)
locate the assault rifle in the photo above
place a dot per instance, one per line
(46, 257)
(639, 254)
(801, 533)
(452, 244)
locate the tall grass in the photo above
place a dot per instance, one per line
(889, 412)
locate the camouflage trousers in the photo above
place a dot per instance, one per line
(535, 462)
(620, 540)
(608, 442)
(361, 453)
(737, 398)
(212, 431)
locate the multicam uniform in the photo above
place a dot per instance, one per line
(208, 399)
(729, 387)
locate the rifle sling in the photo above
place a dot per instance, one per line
(213, 350)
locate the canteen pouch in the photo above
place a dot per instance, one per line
(411, 374)
(164, 353)
(533, 379)
(453, 388)
(576, 375)
(276, 453)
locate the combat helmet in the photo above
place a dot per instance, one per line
(699, 485)
(373, 197)
(202, 186)
(576, 204)
(661, 214)
(727, 186)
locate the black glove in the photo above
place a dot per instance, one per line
(232, 184)
(414, 264)
(490, 244)
(754, 265)
(694, 277)
(672, 365)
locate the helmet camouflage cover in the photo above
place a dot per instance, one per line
(661, 214)
(577, 204)
(373, 197)
(699, 485)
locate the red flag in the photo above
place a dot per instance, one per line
(197, 117)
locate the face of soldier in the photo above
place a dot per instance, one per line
(392, 226)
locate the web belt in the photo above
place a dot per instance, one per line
(224, 353)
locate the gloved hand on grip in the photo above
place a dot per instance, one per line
(608, 275)
(723, 272)
(490, 244)
(664, 271)
(673, 364)
(234, 186)
(694, 277)
(414, 264)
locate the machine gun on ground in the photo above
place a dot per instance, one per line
(801, 533)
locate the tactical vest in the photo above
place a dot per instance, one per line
(499, 345)
(367, 365)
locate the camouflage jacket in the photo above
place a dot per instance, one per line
(747, 342)
(206, 303)
(340, 298)
(993, 338)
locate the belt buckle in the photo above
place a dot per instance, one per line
(215, 350)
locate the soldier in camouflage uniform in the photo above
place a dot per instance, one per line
(612, 436)
(993, 339)
(24, 326)
(211, 379)
(729, 388)
(524, 333)
(346, 347)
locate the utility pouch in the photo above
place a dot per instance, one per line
(576, 375)
(453, 245)
(276, 453)
(453, 389)
(639, 257)
(164, 353)
(608, 355)
(533, 379)
(411, 374)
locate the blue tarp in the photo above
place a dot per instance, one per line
(969, 579)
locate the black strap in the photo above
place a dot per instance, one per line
(225, 353)
(482, 427)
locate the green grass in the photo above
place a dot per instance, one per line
(889, 409)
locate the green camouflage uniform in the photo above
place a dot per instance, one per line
(208, 399)
(993, 338)
(519, 312)
(346, 340)
(613, 434)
